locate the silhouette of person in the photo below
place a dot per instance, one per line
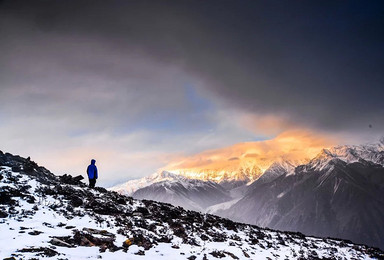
(92, 173)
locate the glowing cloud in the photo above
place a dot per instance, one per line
(251, 159)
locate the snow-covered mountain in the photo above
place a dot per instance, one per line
(175, 189)
(188, 193)
(196, 191)
(226, 176)
(349, 153)
(338, 193)
(280, 167)
(129, 187)
(201, 190)
(59, 217)
(227, 179)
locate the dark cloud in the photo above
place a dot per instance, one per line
(315, 64)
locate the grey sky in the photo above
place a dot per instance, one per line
(148, 81)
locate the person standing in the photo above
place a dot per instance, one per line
(92, 173)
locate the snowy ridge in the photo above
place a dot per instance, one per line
(246, 173)
(42, 215)
(349, 154)
(280, 167)
(129, 187)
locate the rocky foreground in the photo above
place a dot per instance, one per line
(43, 215)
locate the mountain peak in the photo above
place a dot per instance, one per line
(348, 153)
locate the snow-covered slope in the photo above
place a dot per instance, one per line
(175, 189)
(129, 187)
(248, 172)
(45, 216)
(227, 179)
(188, 193)
(280, 167)
(349, 153)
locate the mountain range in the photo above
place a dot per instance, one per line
(59, 217)
(337, 193)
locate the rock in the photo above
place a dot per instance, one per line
(140, 252)
(58, 242)
(30, 199)
(16, 168)
(70, 227)
(140, 240)
(87, 239)
(29, 166)
(217, 254)
(76, 201)
(3, 214)
(101, 189)
(42, 251)
(6, 198)
(99, 232)
(231, 255)
(35, 233)
(68, 179)
(142, 210)
(246, 254)
(178, 229)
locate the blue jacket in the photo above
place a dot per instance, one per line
(92, 170)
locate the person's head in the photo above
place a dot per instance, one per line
(93, 161)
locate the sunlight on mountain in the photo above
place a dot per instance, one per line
(248, 160)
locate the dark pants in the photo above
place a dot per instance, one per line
(92, 182)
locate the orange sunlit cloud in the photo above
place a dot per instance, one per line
(294, 145)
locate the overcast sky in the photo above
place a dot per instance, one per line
(139, 84)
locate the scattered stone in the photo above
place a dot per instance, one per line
(58, 242)
(3, 214)
(35, 233)
(48, 224)
(70, 227)
(87, 239)
(16, 168)
(42, 251)
(76, 201)
(246, 254)
(140, 252)
(99, 232)
(68, 179)
(217, 254)
(231, 255)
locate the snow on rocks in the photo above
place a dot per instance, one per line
(42, 215)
